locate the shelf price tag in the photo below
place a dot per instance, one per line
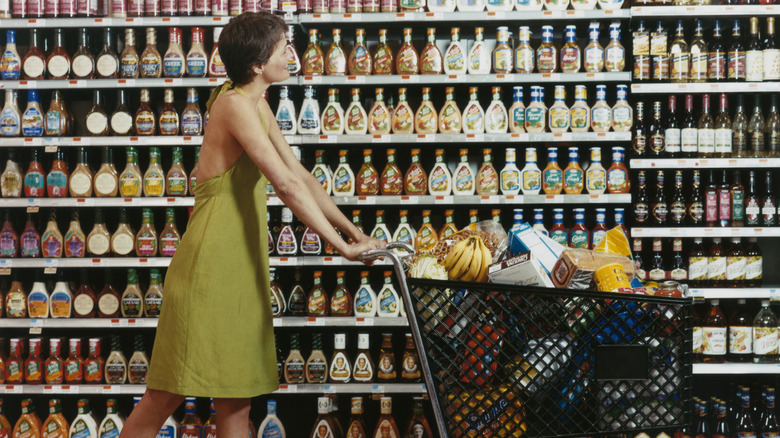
(331, 260)
(445, 199)
(774, 296)
(384, 138)
(315, 322)
(410, 78)
(287, 261)
(170, 20)
(493, 199)
(353, 17)
(312, 79)
(327, 139)
(126, 82)
(456, 78)
(554, 199)
(78, 83)
(598, 198)
(366, 200)
(356, 79)
(698, 295)
(498, 15)
(364, 322)
(36, 23)
(410, 199)
(475, 137)
(6, 263)
(28, 84)
(111, 389)
(433, 15)
(426, 138)
(5, 271)
(13, 389)
(404, 16)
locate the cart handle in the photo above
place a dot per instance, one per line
(406, 297)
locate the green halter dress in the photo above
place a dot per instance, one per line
(215, 335)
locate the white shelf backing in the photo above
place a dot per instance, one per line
(152, 140)
(180, 201)
(704, 163)
(736, 368)
(737, 293)
(509, 79)
(163, 262)
(704, 11)
(462, 138)
(286, 321)
(707, 87)
(500, 17)
(472, 200)
(705, 232)
(347, 388)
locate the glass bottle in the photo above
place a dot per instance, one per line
(151, 61)
(547, 54)
(655, 134)
(699, 55)
(601, 113)
(426, 118)
(107, 63)
(594, 53)
(56, 117)
(121, 121)
(383, 56)
(679, 56)
(386, 425)
(706, 130)
(316, 368)
(34, 180)
(169, 117)
(714, 334)
(34, 61)
(772, 129)
(717, 57)
(769, 203)
(83, 61)
(736, 54)
(765, 335)
(97, 119)
(754, 56)
(431, 59)
(771, 52)
(128, 59)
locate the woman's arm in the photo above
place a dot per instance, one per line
(325, 202)
(236, 115)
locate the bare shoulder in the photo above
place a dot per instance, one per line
(230, 105)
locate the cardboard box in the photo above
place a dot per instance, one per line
(545, 251)
(522, 269)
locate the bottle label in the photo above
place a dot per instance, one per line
(168, 244)
(169, 123)
(531, 180)
(560, 236)
(553, 180)
(323, 430)
(10, 65)
(765, 340)
(363, 371)
(34, 184)
(771, 64)
(388, 302)
(146, 244)
(641, 212)
(579, 118)
(287, 244)
(510, 180)
(311, 242)
(559, 117)
(80, 429)
(342, 181)
(108, 304)
(32, 123)
(678, 211)
(106, 65)
(29, 243)
(51, 245)
(673, 140)
(271, 430)
(131, 305)
(723, 141)
(706, 141)
(454, 59)
(152, 307)
(724, 206)
(579, 239)
(196, 64)
(697, 340)
(57, 184)
(736, 65)
(754, 268)
(735, 268)
(9, 123)
(128, 66)
(711, 207)
(150, 66)
(97, 123)
(33, 67)
(177, 183)
(754, 65)
(740, 340)
(597, 179)
(716, 268)
(534, 118)
(690, 140)
(524, 58)
(364, 303)
(714, 341)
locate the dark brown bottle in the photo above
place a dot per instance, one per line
(724, 201)
(109, 299)
(386, 371)
(718, 57)
(145, 122)
(97, 120)
(714, 334)
(121, 122)
(83, 61)
(696, 202)
(737, 192)
(58, 62)
(85, 301)
(659, 207)
(769, 204)
(752, 202)
(657, 140)
(711, 201)
(639, 143)
(410, 367)
(678, 208)
(34, 61)
(740, 334)
(642, 202)
(657, 267)
(679, 269)
(107, 64)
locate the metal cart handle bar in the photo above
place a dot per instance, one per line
(398, 264)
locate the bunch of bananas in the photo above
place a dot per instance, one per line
(468, 260)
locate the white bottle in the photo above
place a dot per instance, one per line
(471, 5)
(528, 5)
(559, 114)
(510, 174)
(455, 55)
(343, 178)
(332, 118)
(355, 111)
(61, 301)
(10, 117)
(38, 301)
(517, 112)
(389, 302)
(539, 221)
(404, 233)
(531, 176)
(479, 55)
(32, 120)
(499, 5)
(380, 231)
(271, 427)
(463, 177)
(84, 426)
(365, 299)
(556, 5)
(442, 5)
(285, 113)
(609, 5)
(439, 178)
(112, 425)
(473, 115)
(496, 116)
(322, 172)
(309, 118)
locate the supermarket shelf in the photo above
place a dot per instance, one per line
(704, 11)
(119, 83)
(152, 140)
(704, 163)
(287, 321)
(472, 200)
(705, 232)
(736, 368)
(737, 293)
(180, 201)
(707, 87)
(163, 262)
(533, 78)
(501, 17)
(461, 138)
(16, 23)
(347, 388)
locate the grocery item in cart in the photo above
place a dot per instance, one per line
(576, 267)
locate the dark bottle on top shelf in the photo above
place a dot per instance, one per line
(659, 207)
(718, 56)
(689, 132)
(769, 204)
(672, 131)
(639, 142)
(696, 202)
(736, 55)
(655, 131)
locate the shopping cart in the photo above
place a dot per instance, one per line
(510, 361)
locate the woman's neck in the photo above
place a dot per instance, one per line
(254, 90)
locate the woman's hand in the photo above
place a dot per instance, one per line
(364, 244)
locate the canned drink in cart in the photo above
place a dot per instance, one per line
(612, 278)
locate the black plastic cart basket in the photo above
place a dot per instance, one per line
(510, 361)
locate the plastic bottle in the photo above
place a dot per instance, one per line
(559, 233)
(355, 118)
(322, 172)
(573, 175)
(502, 54)
(365, 299)
(32, 119)
(84, 426)
(473, 115)
(622, 113)
(61, 300)
(559, 113)
(111, 426)
(343, 178)
(271, 427)
(510, 174)
(487, 177)
(190, 425)
(38, 301)
(380, 231)
(285, 113)
(463, 177)
(455, 55)
(517, 112)
(479, 55)
(389, 302)
(594, 53)
(332, 119)
(579, 113)
(471, 5)
(404, 233)
(309, 118)
(440, 180)
(10, 117)
(496, 116)
(601, 113)
(536, 113)
(530, 176)
(596, 175)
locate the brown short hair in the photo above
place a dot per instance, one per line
(249, 40)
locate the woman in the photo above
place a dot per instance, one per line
(215, 336)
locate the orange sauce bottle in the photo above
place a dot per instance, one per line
(431, 60)
(573, 175)
(427, 238)
(449, 227)
(94, 363)
(415, 179)
(28, 425)
(360, 58)
(55, 425)
(407, 60)
(317, 301)
(313, 58)
(390, 182)
(341, 299)
(383, 56)
(336, 60)
(368, 177)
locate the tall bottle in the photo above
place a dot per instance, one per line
(196, 61)
(323, 426)
(714, 334)
(479, 55)
(97, 118)
(740, 334)
(84, 424)
(754, 56)
(151, 63)
(765, 338)
(723, 133)
(771, 52)
(271, 425)
(679, 56)
(718, 57)
(699, 55)
(83, 61)
(385, 425)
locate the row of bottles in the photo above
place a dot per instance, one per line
(752, 60)
(58, 121)
(79, 300)
(107, 64)
(746, 336)
(579, 235)
(345, 368)
(124, 241)
(319, 302)
(506, 57)
(722, 264)
(710, 135)
(385, 118)
(83, 182)
(716, 418)
(723, 201)
(357, 6)
(25, 363)
(487, 180)
(327, 424)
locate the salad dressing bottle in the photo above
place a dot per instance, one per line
(176, 178)
(10, 117)
(106, 180)
(510, 174)
(194, 173)
(309, 118)
(614, 53)
(99, 239)
(287, 239)
(313, 57)
(407, 60)
(379, 115)
(487, 177)
(559, 112)
(502, 53)
(596, 175)
(11, 178)
(341, 298)
(343, 178)
(130, 179)
(116, 364)
(389, 302)
(332, 120)
(340, 370)
(380, 231)
(404, 233)
(449, 227)
(132, 298)
(84, 426)
(573, 175)
(317, 300)
(57, 116)
(455, 55)
(601, 113)
(151, 61)
(294, 364)
(355, 116)
(402, 115)
(190, 425)
(427, 235)
(425, 119)
(449, 115)
(525, 57)
(479, 56)
(547, 54)
(365, 299)
(570, 52)
(29, 425)
(463, 177)
(38, 301)
(75, 239)
(356, 427)
(174, 64)
(196, 58)
(5, 426)
(530, 176)
(123, 239)
(323, 427)
(496, 116)
(536, 112)
(146, 238)
(61, 301)
(418, 424)
(55, 425)
(383, 56)
(271, 425)
(10, 61)
(622, 113)
(316, 368)
(386, 371)
(391, 180)
(80, 181)
(111, 425)
(336, 59)
(51, 240)
(285, 112)
(32, 119)
(517, 112)
(440, 180)
(415, 179)
(322, 172)
(431, 59)
(154, 295)
(360, 58)
(385, 425)
(473, 115)
(154, 178)
(579, 113)
(594, 53)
